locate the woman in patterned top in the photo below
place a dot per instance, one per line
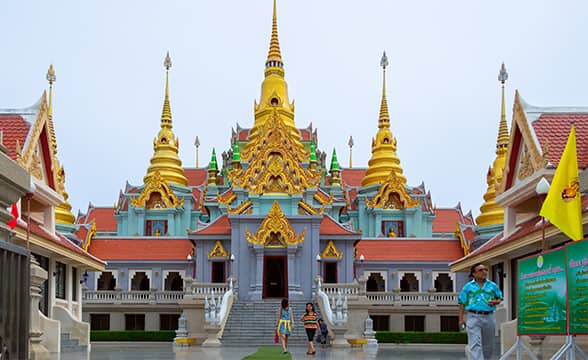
(310, 321)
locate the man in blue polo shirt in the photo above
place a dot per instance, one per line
(479, 298)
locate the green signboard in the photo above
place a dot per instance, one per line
(577, 261)
(542, 294)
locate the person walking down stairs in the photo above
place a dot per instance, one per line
(310, 321)
(284, 325)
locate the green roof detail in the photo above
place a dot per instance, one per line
(334, 161)
(213, 164)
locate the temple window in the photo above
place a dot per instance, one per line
(140, 281)
(106, 281)
(443, 283)
(60, 270)
(376, 281)
(393, 229)
(331, 276)
(174, 282)
(155, 227)
(218, 273)
(409, 282)
(274, 102)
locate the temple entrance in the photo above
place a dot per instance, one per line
(275, 277)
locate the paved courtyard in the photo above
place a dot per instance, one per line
(165, 351)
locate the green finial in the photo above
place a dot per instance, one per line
(334, 161)
(312, 152)
(213, 161)
(236, 154)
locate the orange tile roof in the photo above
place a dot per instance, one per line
(220, 226)
(445, 220)
(81, 232)
(141, 249)
(195, 176)
(38, 229)
(104, 217)
(552, 130)
(410, 250)
(305, 135)
(13, 128)
(331, 227)
(243, 135)
(353, 177)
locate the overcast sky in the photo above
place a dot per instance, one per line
(443, 92)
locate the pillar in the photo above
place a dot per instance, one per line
(36, 350)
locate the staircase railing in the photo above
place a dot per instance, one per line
(217, 307)
(333, 304)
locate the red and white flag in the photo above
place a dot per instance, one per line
(14, 212)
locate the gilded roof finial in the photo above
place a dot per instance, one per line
(166, 116)
(502, 141)
(350, 143)
(274, 56)
(335, 179)
(384, 119)
(165, 159)
(197, 145)
(490, 212)
(51, 78)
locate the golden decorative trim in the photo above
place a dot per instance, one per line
(167, 199)
(467, 248)
(227, 201)
(90, 235)
(392, 195)
(321, 200)
(307, 208)
(331, 251)
(275, 231)
(244, 208)
(525, 166)
(218, 251)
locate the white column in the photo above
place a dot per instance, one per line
(68, 288)
(51, 288)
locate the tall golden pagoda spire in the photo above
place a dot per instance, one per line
(490, 212)
(274, 90)
(384, 158)
(63, 214)
(165, 158)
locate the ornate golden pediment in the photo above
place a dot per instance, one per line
(226, 199)
(90, 235)
(275, 230)
(218, 251)
(157, 195)
(305, 208)
(275, 163)
(331, 251)
(392, 195)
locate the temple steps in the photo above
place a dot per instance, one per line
(252, 323)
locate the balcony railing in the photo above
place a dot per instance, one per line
(132, 297)
(412, 298)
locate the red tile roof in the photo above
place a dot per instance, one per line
(195, 176)
(552, 130)
(353, 177)
(38, 229)
(445, 220)
(104, 216)
(13, 127)
(243, 135)
(141, 249)
(196, 194)
(305, 135)
(81, 232)
(220, 226)
(331, 227)
(410, 250)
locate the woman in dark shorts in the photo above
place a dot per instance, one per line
(310, 321)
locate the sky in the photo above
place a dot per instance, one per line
(443, 92)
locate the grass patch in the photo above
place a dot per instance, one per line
(268, 353)
(410, 337)
(132, 335)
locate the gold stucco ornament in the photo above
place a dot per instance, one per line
(275, 230)
(392, 195)
(157, 195)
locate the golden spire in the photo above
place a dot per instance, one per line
(384, 159)
(274, 56)
(51, 79)
(490, 212)
(274, 90)
(63, 214)
(165, 146)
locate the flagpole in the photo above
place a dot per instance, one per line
(542, 188)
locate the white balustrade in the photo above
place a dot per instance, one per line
(132, 297)
(412, 298)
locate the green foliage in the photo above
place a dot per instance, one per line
(132, 335)
(416, 337)
(268, 353)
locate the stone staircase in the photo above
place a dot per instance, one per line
(253, 323)
(69, 345)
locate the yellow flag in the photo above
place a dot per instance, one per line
(563, 206)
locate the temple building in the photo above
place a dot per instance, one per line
(273, 215)
(54, 265)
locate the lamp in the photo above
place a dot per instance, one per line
(542, 188)
(318, 264)
(85, 276)
(191, 258)
(361, 260)
(232, 257)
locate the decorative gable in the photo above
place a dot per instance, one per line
(275, 230)
(331, 251)
(218, 251)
